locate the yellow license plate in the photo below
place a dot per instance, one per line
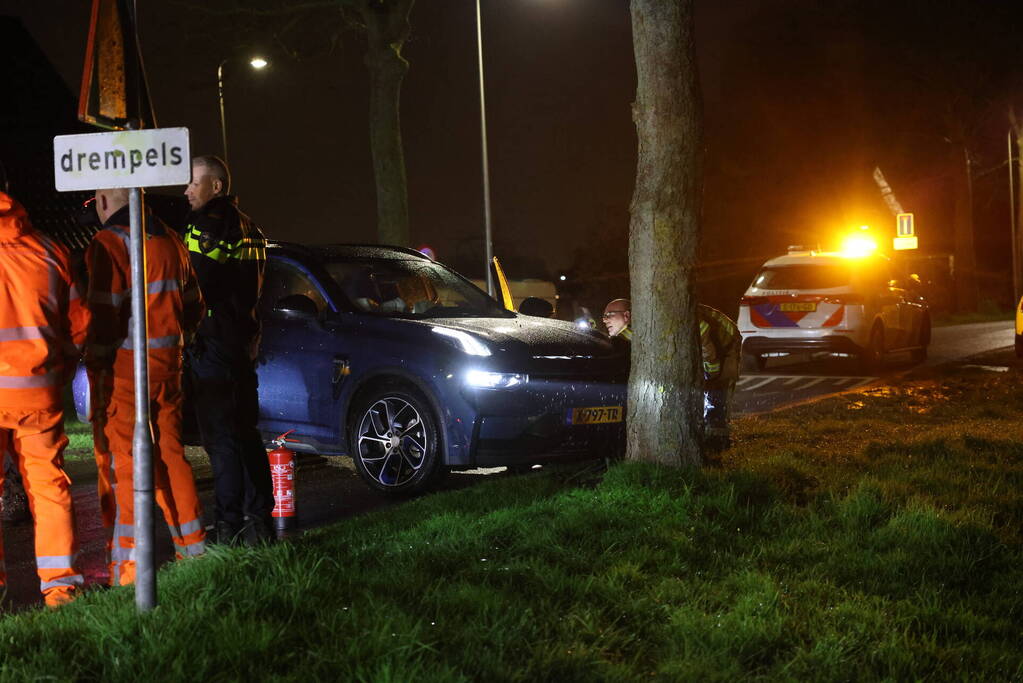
(799, 306)
(596, 415)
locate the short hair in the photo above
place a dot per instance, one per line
(216, 167)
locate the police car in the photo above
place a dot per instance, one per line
(830, 302)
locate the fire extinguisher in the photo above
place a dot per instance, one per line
(282, 474)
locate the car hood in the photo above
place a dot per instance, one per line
(539, 335)
(543, 345)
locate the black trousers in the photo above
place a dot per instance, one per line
(223, 389)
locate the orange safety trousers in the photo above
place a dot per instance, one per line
(113, 428)
(36, 440)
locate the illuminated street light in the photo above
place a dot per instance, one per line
(257, 63)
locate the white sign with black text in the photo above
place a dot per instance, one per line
(124, 158)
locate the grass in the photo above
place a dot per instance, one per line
(988, 311)
(870, 536)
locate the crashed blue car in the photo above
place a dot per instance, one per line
(384, 355)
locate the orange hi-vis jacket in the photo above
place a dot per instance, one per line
(175, 306)
(42, 319)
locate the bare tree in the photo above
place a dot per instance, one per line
(311, 26)
(665, 386)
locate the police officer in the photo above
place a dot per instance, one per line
(720, 341)
(228, 253)
(618, 318)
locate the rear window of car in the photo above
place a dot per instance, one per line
(804, 276)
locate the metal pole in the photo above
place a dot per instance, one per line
(142, 439)
(220, 96)
(488, 237)
(1012, 215)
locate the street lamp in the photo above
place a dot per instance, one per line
(256, 63)
(488, 237)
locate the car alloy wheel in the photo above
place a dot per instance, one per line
(395, 442)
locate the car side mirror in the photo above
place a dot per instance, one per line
(296, 306)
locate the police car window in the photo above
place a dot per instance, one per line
(409, 288)
(283, 279)
(804, 276)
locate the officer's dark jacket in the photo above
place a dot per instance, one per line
(228, 253)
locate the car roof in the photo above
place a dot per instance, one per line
(332, 251)
(819, 258)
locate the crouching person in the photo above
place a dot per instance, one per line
(721, 342)
(175, 308)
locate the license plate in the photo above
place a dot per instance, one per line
(799, 306)
(596, 415)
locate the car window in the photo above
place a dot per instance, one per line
(407, 288)
(284, 279)
(804, 276)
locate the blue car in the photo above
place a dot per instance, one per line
(384, 355)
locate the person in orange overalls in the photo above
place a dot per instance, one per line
(42, 327)
(175, 308)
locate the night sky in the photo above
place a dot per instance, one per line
(802, 99)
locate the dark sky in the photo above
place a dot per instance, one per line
(560, 80)
(802, 99)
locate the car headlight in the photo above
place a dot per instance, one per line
(468, 343)
(483, 379)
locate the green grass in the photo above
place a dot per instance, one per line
(870, 536)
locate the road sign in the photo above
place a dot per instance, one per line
(130, 158)
(899, 243)
(904, 225)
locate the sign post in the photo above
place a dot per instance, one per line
(131, 159)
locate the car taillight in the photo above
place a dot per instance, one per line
(752, 300)
(844, 299)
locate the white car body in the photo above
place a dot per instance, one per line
(808, 302)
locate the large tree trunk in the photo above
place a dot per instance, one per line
(666, 384)
(387, 28)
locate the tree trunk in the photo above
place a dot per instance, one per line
(1017, 237)
(666, 383)
(387, 28)
(965, 262)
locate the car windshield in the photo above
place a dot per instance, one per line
(410, 289)
(804, 276)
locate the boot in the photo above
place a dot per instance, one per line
(224, 533)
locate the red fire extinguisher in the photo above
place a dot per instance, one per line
(282, 473)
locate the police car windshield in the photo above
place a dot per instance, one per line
(410, 289)
(804, 276)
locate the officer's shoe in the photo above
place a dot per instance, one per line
(258, 531)
(224, 533)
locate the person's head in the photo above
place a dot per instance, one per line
(210, 178)
(617, 316)
(109, 202)
(535, 306)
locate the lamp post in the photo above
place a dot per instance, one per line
(256, 63)
(488, 236)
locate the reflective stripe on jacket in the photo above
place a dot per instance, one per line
(175, 305)
(42, 318)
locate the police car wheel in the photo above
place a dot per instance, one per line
(872, 357)
(394, 440)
